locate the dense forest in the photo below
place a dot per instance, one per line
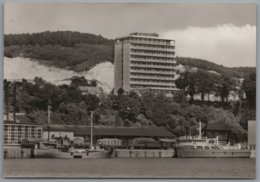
(180, 115)
(70, 50)
(238, 72)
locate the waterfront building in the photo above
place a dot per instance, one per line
(144, 61)
(251, 134)
(58, 131)
(15, 132)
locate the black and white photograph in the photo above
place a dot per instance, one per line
(129, 90)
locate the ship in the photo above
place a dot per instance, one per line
(50, 149)
(203, 147)
(71, 153)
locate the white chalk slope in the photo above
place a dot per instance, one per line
(25, 68)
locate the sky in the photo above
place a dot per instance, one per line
(221, 33)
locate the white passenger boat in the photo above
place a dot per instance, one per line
(199, 147)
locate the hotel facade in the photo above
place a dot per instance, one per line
(144, 61)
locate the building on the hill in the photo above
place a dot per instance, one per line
(144, 60)
(98, 91)
(220, 129)
(223, 131)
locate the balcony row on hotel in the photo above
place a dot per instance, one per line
(170, 63)
(152, 71)
(154, 54)
(152, 47)
(150, 80)
(154, 66)
(152, 83)
(152, 87)
(152, 51)
(152, 77)
(145, 40)
(150, 59)
(170, 47)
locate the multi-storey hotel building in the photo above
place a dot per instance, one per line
(144, 61)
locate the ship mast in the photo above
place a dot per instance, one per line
(91, 130)
(49, 121)
(200, 129)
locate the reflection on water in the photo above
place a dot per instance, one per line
(135, 168)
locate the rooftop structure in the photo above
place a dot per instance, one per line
(144, 60)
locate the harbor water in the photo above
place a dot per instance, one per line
(130, 168)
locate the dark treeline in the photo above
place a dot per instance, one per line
(68, 104)
(239, 72)
(235, 95)
(62, 38)
(70, 50)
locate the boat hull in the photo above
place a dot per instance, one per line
(213, 153)
(52, 153)
(96, 154)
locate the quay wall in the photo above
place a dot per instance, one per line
(17, 152)
(253, 154)
(142, 153)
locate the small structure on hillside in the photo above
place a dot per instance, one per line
(220, 129)
(98, 91)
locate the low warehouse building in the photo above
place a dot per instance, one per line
(126, 134)
(57, 131)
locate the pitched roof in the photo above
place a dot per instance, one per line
(21, 123)
(114, 131)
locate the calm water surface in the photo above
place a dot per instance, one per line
(133, 168)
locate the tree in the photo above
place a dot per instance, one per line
(249, 87)
(180, 97)
(120, 91)
(205, 82)
(79, 81)
(224, 86)
(92, 101)
(129, 106)
(187, 82)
